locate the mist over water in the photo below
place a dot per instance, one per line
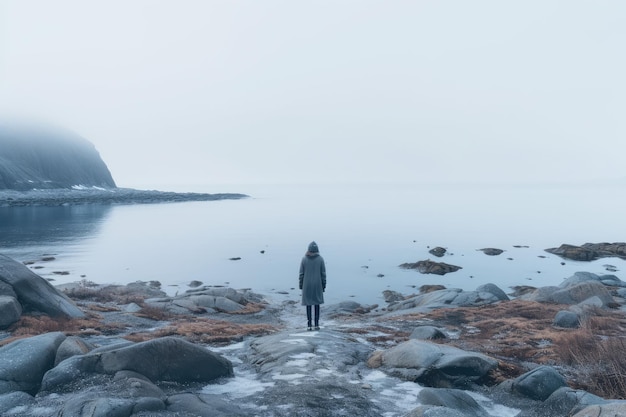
(363, 231)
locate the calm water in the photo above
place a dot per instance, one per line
(362, 231)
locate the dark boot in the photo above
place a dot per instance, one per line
(317, 317)
(308, 318)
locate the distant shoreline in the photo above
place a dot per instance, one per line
(64, 197)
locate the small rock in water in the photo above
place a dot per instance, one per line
(438, 251)
(541, 256)
(510, 259)
(491, 251)
(48, 258)
(380, 275)
(60, 272)
(235, 259)
(262, 251)
(195, 284)
(520, 246)
(562, 263)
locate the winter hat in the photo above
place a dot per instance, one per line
(313, 247)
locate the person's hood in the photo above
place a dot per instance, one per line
(313, 247)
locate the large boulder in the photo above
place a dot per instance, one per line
(581, 288)
(204, 405)
(581, 276)
(436, 365)
(164, 359)
(35, 293)
(566, 319)
(452, 399)
(539, 383)
(566, 401)
(72, 346)
(451, 297)
(24, 362)
(41, 157)
(600, 410)
(103, 406)
(14, 399)
(578, 293)
(10, 311)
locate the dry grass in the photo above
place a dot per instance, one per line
(597, 351)
(28, 326)
(518, 331)
(204, 330)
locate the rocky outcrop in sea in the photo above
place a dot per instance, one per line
(60, 197)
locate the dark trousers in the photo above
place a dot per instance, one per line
(309, 314)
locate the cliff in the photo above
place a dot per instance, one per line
(45, 158)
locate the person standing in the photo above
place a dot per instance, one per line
(312, 283)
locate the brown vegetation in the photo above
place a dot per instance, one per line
(28, 326)
(205, 330)
(515, 332)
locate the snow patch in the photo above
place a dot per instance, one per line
(242, 385)
(290, 378)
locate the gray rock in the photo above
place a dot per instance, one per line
(455, 399)
(6, 289)
(216, 302)
(566, 401)
(129, 384)
(427, 333)
(72, 346)
(491, 251)
(580, 292)
(566, 319)
(392, 296)
(347, 307)
(541, 294)
(14, 399)
(132, 308)
(438, 251)
(24, 362)
(590, 251)
(492, 292)
(10, 311)
(34, 292)
(431, 267)
(204, 405)
(613, 409)
(88, 406)
(164, 359)
(434, 411)
(485, 294)
(436, 365)
(539, 383)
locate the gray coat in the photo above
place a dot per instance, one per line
(312, 279)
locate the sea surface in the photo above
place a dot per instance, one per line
(364, 233)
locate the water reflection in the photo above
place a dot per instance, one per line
(36, 226)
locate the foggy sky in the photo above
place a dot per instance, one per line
(197, 92)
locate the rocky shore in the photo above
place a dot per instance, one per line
(102, 350)
(58, 197)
